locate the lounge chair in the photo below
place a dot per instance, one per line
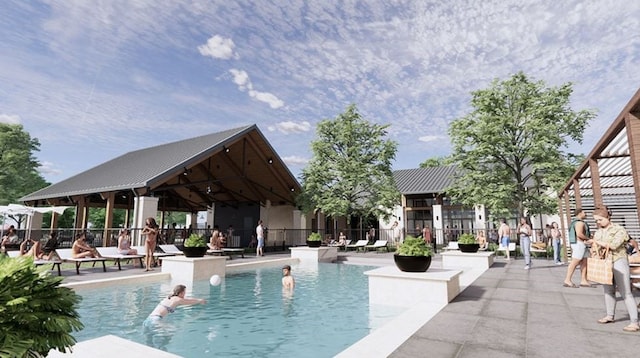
(111, 253)
(225, 251)
(65, 255)
(452, 245)
(360, 244)
(39, 262)
(156, 254)
(379, 244)
(347, 242)
(171, 249)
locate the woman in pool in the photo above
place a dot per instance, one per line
(156, 335)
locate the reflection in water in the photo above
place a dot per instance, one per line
(287, 302)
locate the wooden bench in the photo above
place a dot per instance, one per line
(533, 250)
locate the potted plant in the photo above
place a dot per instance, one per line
(413, 255)
(194, 246)
(468, 243)
(314, 240)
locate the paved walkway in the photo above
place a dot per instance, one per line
(512, 312)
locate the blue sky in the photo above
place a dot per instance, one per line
(95, 79)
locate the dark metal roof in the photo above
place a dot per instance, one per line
(229, 166)
(424, 180)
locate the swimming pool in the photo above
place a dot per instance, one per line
(246, 316)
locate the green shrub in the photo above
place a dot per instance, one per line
(314, 236)
(412, 246)
(195, 240)
(467, 239)
(36, 314)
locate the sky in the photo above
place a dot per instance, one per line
(93, 79)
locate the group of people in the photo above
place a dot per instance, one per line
(615, 240)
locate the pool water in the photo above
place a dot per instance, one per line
(248, 315)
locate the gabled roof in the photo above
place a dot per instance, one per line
(424, 180)
(229, 166)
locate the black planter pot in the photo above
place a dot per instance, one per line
(412, 263)
(469, 247)
(316, 243)
(194, 251)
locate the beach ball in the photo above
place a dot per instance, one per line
(215, 280)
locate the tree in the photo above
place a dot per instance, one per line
(19, 175)
(36, 314)
(511, 148)
(435, 162)
(350, 172)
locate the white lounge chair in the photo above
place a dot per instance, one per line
(111, 253)
(171, 249)
(379, 244)
(65, 255)
(225, 251)
(39, 262)
(360, 244)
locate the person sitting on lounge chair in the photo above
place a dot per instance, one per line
(124, 243)
(81, 249)
(34, 251)
(50, 246)
(482, 240)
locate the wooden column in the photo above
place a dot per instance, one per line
(595, 182)
(632, 122)
(108, 219)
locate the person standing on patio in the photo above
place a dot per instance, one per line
(556, 242)
(260, 236)
(524, 230)
(613, 237)
(504, 233)
(579, 233)
(426, 234)
(151, 232)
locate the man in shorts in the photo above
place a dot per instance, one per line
(578, 234)
(504, 233)
(260, 236)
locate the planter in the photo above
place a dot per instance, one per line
(315, 243)
(469, 247)
(412, 263)
(194, 251)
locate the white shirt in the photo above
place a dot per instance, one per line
(259, 232)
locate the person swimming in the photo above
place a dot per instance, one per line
(157, 337)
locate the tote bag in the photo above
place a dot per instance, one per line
(600, 266)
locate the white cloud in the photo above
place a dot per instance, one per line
(218, 47)
(295, 160)
(241, 78)
(9, 119)
(430, 138)
(49, 169)
(289, 127)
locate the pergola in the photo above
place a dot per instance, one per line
(228, 168)
(610, 175)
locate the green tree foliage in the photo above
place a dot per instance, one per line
(36, 314)
(435, 162)
(511, 147)
(19, 175)
(350, 172)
